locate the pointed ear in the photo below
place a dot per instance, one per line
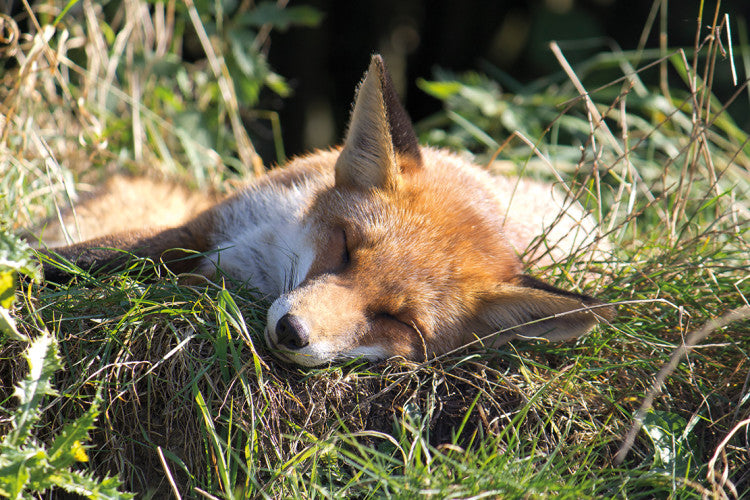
(380, 142)
(531, 308)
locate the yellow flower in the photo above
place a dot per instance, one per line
(79, 452)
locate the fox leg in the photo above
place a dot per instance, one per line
(174, 248)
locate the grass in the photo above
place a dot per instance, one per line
(194, 404)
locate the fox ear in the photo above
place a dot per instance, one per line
(380, 142)
(531, 308)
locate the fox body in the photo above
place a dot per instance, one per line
(379, 248)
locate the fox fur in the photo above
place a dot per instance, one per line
(379, 248)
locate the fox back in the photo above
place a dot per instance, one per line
(379, 248)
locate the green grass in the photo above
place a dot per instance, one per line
(192, 398)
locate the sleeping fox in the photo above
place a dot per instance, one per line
(378, 248)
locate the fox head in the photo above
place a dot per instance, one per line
(410, 258)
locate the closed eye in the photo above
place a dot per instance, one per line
(346, 256)
(404, 336)
(391, 317)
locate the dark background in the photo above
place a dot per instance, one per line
(324, 64)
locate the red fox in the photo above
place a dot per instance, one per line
(378, 248)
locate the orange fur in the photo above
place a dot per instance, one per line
(125, 203)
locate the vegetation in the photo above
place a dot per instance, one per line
(25, 465)
(191, 402)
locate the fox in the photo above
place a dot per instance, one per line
(377, 248)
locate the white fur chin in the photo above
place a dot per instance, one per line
(322, 353)
(369, 352)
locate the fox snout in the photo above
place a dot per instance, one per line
(292, 332)
(320, 321)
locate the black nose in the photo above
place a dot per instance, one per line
(291, 332)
